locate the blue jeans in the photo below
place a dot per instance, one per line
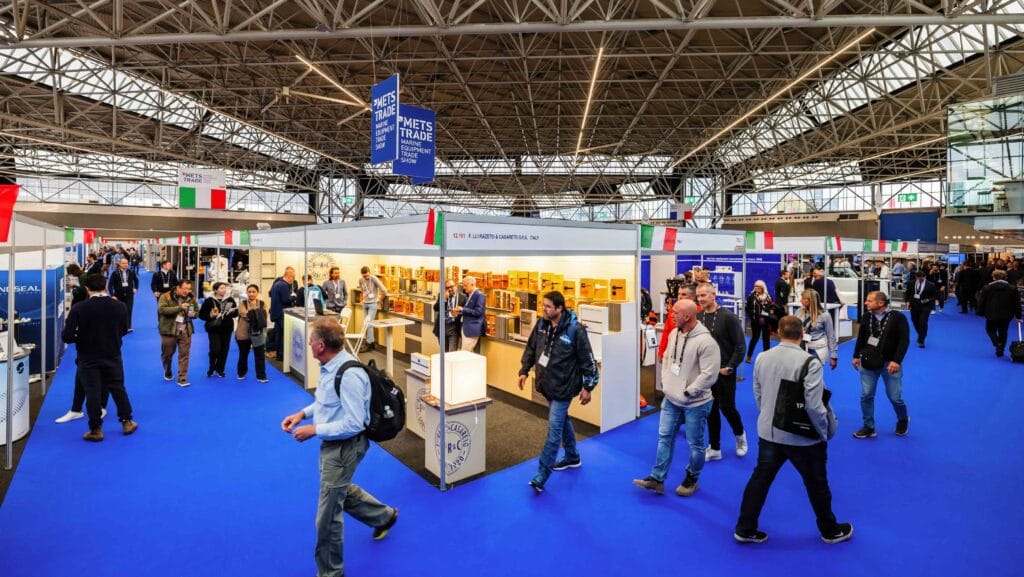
(668, 425)
(560, 433)
(893, 388)
(370, 309)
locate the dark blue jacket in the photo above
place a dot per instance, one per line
(571, 365)
(473, 314)
(280, 299)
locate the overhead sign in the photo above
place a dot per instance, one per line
(202, 188)
(415, 144)
(908, 197)
(384, 121)
(513, 238)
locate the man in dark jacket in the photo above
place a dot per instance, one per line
(164, 280)
(92, 265)
(452, 322)
(282, 296)
(564, 367)
(825, 287)
(939, 277)
(999, 303)
(967, 282)
(123, 285)
(921, 294)
(782, 288)
(881, 345)
(96, 326)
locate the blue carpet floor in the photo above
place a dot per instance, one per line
(209, 485)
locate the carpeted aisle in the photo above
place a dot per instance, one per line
(210, 486)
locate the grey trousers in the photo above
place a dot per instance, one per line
(339, 495)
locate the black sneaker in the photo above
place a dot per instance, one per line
(209, 374)
(865, 433)
(382, 531)
(564, 464)
(651, 484)
(537, 487)
(168, 376)
(752, 537)
(844, 531)
(902, 426)
(687, 487)
(220, 375)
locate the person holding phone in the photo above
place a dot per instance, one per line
(219, 312)
(177, 308)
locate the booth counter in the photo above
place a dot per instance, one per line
(20, 398)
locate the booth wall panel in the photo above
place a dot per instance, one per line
(923, 226)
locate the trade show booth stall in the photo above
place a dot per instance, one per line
(515, 261)
(32, 287)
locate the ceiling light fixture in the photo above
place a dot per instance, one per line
(333, 82)
(285, 91)
(590, 98)
(907, 147)
(775, 96)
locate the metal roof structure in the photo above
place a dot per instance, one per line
(541, 104)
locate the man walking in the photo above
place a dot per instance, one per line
(881, 345)
(999, 303)
(340, 415)
(471, 314)
(922, 295)
(452, 325)
(689, 369)
(967, 282)
(727, 331)
(373, 291)
(96, 326)
(282, 296)
(164, 280)
(559, 353)
(776, 446)
(122, 286)
(177, 309)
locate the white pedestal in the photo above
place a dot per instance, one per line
(297, 355)
(21, 400)
(417, 385)
(466, 438)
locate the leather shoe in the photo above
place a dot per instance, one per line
(128, 427)
(96, 435)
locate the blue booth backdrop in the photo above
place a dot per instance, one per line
(26, 302)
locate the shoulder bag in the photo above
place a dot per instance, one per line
(790, 409)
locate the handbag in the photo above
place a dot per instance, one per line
(790, 410)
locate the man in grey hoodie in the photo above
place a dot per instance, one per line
(689, 370)
(776, 446)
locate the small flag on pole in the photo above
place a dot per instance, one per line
(8, 196)
(236, 237)
(835, 244)
(669, 243)
(435, 228)
(760, 240)
(901, 246)
(646, 235)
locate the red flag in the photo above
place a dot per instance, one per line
(8, 196)
(670, 239)
(428, 238)
(89, 235)
(769, 240)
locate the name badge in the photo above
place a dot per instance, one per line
(167, 285)
(543, 361)
(807, 338)
(179, 319)
(873, 341)
(124, 282)
(676, 369)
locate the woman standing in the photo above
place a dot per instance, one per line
(218, 311)
(760, 308)
(819, 334)
(251, 332)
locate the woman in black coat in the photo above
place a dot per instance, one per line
(219, 311)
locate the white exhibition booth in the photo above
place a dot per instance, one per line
(515, 261)
(34, 289)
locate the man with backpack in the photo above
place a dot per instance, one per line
(341, 414)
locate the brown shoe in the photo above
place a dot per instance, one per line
(271, 355)
(128, 427)
(95, 435)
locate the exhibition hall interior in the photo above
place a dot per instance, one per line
(447, 287)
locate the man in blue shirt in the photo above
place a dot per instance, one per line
(339, 419)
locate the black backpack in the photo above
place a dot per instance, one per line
(387, 402)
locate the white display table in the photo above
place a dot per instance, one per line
(388, 325)
(21, 399)
(466, 438)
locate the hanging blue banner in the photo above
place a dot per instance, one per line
(415, 144)
(384, 121)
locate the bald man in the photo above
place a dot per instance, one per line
(689, 368)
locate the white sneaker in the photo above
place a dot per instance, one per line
(712, 455)
(103, 413)
(70, 416)
(183, 383)
(741, 445)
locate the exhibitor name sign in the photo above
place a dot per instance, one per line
(531, 238)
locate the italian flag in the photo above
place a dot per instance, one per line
(685, 211)
(658, 237)
(877, 246)
(435, 228)
(835, 244)
(757, 240)
(186, 239)
(192, 197)
(79, 235)
(901, 246)
(236, 237)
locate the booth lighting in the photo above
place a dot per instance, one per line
(465, 377)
